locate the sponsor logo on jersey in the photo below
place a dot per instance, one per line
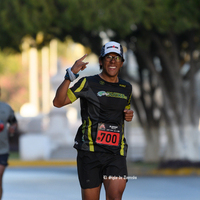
(122, 85)
(111, 94)
(113, 127)
(102, 127)
(102, 93)
(101, 82)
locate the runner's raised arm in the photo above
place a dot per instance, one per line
(61, 99)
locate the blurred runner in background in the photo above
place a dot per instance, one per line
(8, 125)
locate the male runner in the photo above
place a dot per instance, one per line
(105, 104)
(6, 116)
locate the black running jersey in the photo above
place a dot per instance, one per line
(102, 113)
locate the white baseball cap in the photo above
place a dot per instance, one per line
(112, 47)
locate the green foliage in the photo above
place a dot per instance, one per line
(21, 17)
(58, 18)
(9, 62)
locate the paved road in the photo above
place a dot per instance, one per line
(61, 183)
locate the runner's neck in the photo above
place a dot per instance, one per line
(110, 79)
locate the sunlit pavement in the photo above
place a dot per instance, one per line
(61, 183)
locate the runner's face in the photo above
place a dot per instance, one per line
(111, 68)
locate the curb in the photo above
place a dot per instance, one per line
(176, 172)
(41, 163)
(132, 171)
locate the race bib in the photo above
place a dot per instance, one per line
(108, 134)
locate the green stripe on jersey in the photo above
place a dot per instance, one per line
(91, 144)
(129, 104)
(122, 143)
(71, 95)
(81, 86)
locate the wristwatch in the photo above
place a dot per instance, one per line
(73, 76)
(67, 75)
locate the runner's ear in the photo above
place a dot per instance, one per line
(100, 61)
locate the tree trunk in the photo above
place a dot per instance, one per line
(174, 147)
(152, 147)
(182, 146)
(191, 143)
(178, 109)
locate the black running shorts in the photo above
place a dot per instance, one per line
(94, 167)
(4, 159)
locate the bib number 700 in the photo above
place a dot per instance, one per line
(108, 138)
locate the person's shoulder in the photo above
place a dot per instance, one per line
(90, 78)
(5, 105)
(125, 83)
(86, 79)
